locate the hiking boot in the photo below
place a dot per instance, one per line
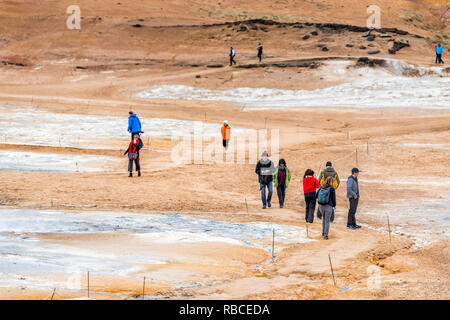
(130, 175)
(281, 206)
(264, 207)
(356, 226)
(139, 173)
(350, 227)
(325, 237)
(269, 205)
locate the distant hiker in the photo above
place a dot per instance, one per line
(232, 55)
(226, 134)
(260, 51)
(134, 125)
(265, 170)
(326, 197)
(310, 185)
(439, 50)
(353, 197)
(281, 179)
(329, 172)
(133, 154)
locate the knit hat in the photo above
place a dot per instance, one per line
(264, 154)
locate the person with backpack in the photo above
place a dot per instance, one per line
(439, 50)
(232, 55)
(310, 185)
(133, 154)
(353, 197)
(134, 124)
(281, 179)
(326, 198)
(226, 133)
(260, 51)
(265, 170)
(329, 171)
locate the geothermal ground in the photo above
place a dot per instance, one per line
(194, 227)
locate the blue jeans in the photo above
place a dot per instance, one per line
(263, 192)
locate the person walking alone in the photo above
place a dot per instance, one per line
(310, 185)
(439, 50)
(265, 170)
(260, 51)
(326, 197)
(134, 124)
(226, 134)
(353, 197)
(281, 179)
(232, 55)
(133, 154)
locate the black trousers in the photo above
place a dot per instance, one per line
(281, 192)
(130, 165)
(351, 220)
(259, 57)
(232, 60)
(310, 199)
(133, 133)
(439, 58)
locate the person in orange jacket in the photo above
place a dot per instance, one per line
(226, 133)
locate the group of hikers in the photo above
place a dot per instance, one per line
(232, 54)
(259, 54)
(321, 190)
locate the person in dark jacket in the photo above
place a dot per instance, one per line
(260, 52)
(232, 55)
(265, 170)
(326, 210)
(310, 185)
(133, 154)
(353, 197)
(281, 179)
(134, 125)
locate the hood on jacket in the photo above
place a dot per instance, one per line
(133, 115)
(329, 169)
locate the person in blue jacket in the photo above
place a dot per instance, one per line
(439, 50)
(134, 125)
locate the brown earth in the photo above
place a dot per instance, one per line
(172, 48)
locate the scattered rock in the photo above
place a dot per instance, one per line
(137, 25)
(242, 28)
(197, 76)
(299, 26)
(373, 51)
(363, 47)
(214, 66)
(365, 61)
(324, 49)
(321, 45)
(349, 45)
(306, 37)
(263, 29)
(253, 27)
(80, 68)
(315, 33)
(370, 45)
(398, 44)
(371, 38)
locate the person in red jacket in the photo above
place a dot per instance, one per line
(133, 154)
(310, 185)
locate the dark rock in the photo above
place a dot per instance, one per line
(324, 49)
(315, 33)
(263, 29)
(137, 25)
(299, 26)
(242, 28)
(373, 51)
(370, 45)
(371, 38)
(309, 24)
(197, 76)
(401, 32)
(349, 45)
(365, 61)
(80, 68)
(214, 66)
(253, 27)
(306, 37)
(362, 47)
(398, 44)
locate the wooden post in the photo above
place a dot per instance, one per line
(356, 156)
(246, 205)
(349, 138)
(143, 289)
(273, 243)
(53, 293)
(389, 229)
(367, 146)
(332, 272)
(307, 233)
(88, 283)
